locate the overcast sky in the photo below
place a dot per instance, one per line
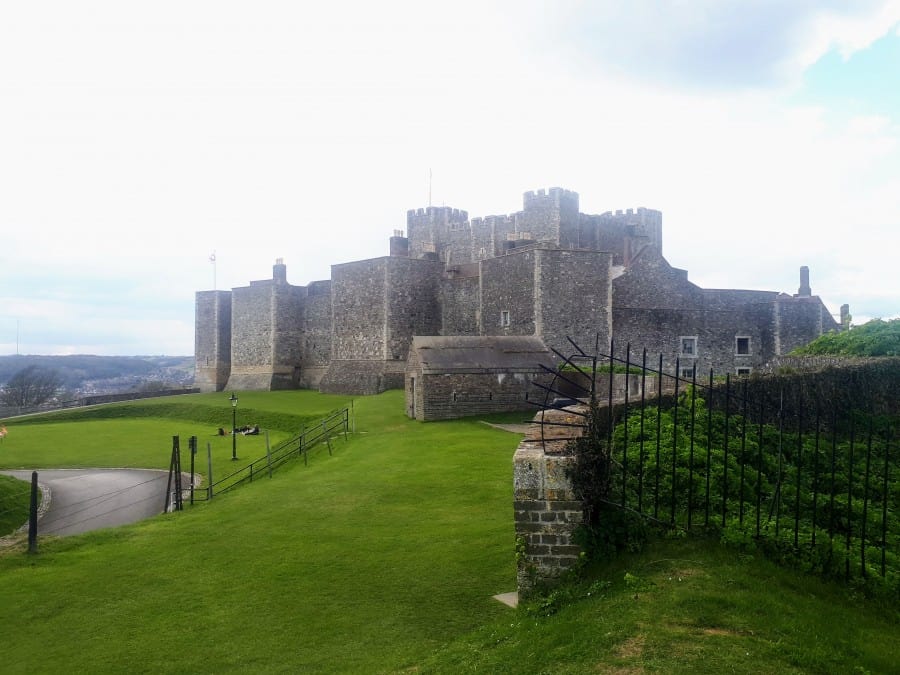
(136, 139)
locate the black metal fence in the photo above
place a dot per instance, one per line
(805, 463)
(312, 437)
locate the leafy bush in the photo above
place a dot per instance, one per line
(804, 498)
(875, 338)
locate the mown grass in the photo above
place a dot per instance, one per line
(685, 606)
(138, 434)
(383, 558)
(15, 496)
(286, 411)
(365, 561)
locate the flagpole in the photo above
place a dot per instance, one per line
(212, 259)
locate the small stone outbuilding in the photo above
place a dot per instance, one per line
(457, 376)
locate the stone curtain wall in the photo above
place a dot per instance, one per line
(359, 312)
(654, 305)
(799, 320)
(252, 336)
(289, 319)
(729, 314)
(317, 334)
(212, 339)
(412, 303)
(507, 284)
(362, 378)
(459, 305)
(572, 297)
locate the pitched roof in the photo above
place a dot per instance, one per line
(476, 353)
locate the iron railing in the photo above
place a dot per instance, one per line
(806, 463)
(312, 437)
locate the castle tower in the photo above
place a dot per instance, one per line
(551, 216)
(399, 246)
(212, 340)
(279, 271)
(431, 229)
(267, 330)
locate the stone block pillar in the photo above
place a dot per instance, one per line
(547, 512)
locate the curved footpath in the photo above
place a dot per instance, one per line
(90, 499)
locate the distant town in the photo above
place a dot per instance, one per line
(83, 375)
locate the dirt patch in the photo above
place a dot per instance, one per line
(718, 631)
(632, 648)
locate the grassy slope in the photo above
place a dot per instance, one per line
(383, 558)
(139, 433)
(14, 499)
(687, 606)
(366, 561)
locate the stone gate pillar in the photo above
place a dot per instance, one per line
(546, 509)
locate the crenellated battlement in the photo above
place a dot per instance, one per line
(493, 221)
(555, 195)
(639, 213)
(436, 214)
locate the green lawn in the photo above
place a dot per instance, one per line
(383, 558)
(686, 606)
(138, 434)
(364, 561)
(15, 496)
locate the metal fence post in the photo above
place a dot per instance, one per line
(192, 444)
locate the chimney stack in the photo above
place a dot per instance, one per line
(805, 291)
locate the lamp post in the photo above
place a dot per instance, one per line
(234, 401)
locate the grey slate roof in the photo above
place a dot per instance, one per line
(481, 354)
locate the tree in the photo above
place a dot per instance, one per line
(32, 385)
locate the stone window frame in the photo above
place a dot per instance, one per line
(687, 373)
(737, 345)
(505, 320)
(682, 342)
(743, 371)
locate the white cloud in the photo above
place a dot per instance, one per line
(138, 139)
(717, 44)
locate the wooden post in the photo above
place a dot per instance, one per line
(32, 514)
(209, 468)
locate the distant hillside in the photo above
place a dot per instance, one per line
(87, 374)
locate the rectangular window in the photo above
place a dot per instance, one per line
(687, 373)
(742, 346)
(504, 317)
(688, 346)
(743, 371)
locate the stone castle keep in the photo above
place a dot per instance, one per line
(547, 271)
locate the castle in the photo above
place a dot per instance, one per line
(547, 271)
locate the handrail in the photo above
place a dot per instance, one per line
(332, 424)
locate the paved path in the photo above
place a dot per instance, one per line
(91, 499)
